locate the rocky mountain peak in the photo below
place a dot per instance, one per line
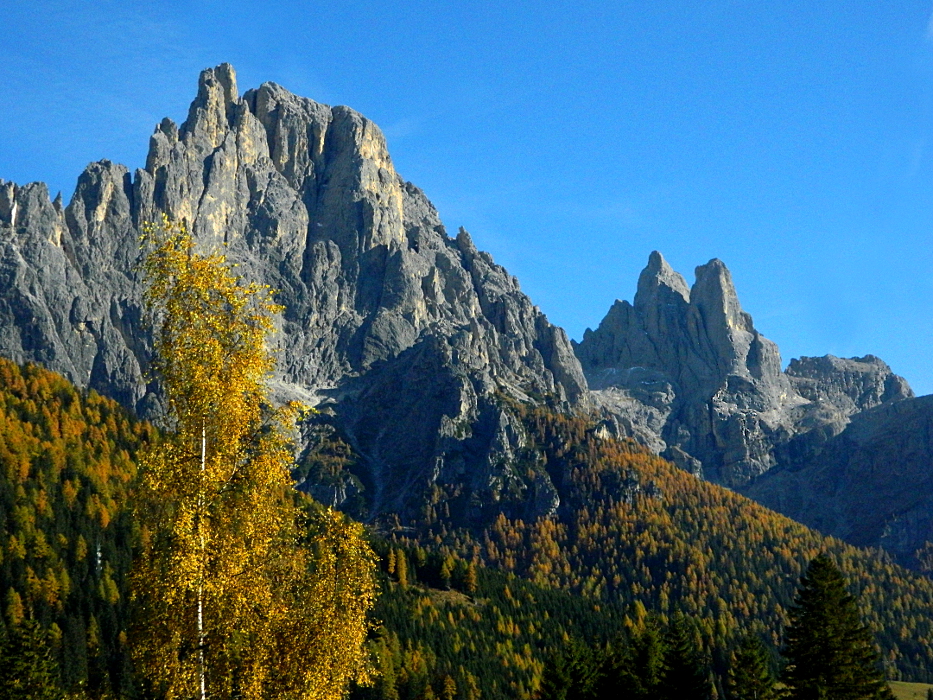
(687, 373)
(658, 282)
(852, 385)
(212, 110)
(407, 339)
(713, 295)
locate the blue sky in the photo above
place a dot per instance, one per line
(792, 140)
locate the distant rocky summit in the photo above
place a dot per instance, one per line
(416, 346)
(685, 371)
(839, 444)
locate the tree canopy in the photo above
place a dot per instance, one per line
(749, 676)
(233, 597)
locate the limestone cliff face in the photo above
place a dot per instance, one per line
(685, 371)
(386, 315)
(714, 392)
(871, 485)
(850, 385)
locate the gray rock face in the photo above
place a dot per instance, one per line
(386, 315)
(850, 385)
(872, 484)
(710, 387)
(684, 371)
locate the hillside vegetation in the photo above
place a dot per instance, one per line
(466, 613)
(67, 462)
(632, 529)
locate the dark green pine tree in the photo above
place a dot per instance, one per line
(686, 672)
(571, 674)
(27, 670)
(830, 654)
(749, 675)
(632, 667)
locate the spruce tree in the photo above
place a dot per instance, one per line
(633, 667)
(750, 673)
(686, 673)
(27, 669)
(571, 674)
(556, 679)
(830, 654)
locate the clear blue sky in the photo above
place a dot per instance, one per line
(793, 140)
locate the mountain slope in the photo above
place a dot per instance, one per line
(632, 529)
(66, 466)
(386, 315)
(632, 533)
(871, 484)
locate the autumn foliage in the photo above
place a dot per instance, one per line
(67, 463)
(634, 534)
(233, 597)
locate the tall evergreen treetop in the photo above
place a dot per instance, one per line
(633, 668)
(686, 671)
(830, 654)
(750, 673)
(27, 669)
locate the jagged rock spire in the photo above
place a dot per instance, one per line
(686, 371)
(658, 282)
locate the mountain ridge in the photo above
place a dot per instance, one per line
(411, 342)
(304, 198)
(684, 371)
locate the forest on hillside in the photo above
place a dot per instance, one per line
(479, 613)
(632, 530)
(68, 461)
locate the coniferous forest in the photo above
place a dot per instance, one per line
(68, 462)
(643, 567)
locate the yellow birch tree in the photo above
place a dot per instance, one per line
(236, 591)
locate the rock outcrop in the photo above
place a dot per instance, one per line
(710, 386)
(850, 385)
(385, 314)
(871, 485)
(685, 371)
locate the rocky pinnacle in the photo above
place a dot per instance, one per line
(408, 336)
